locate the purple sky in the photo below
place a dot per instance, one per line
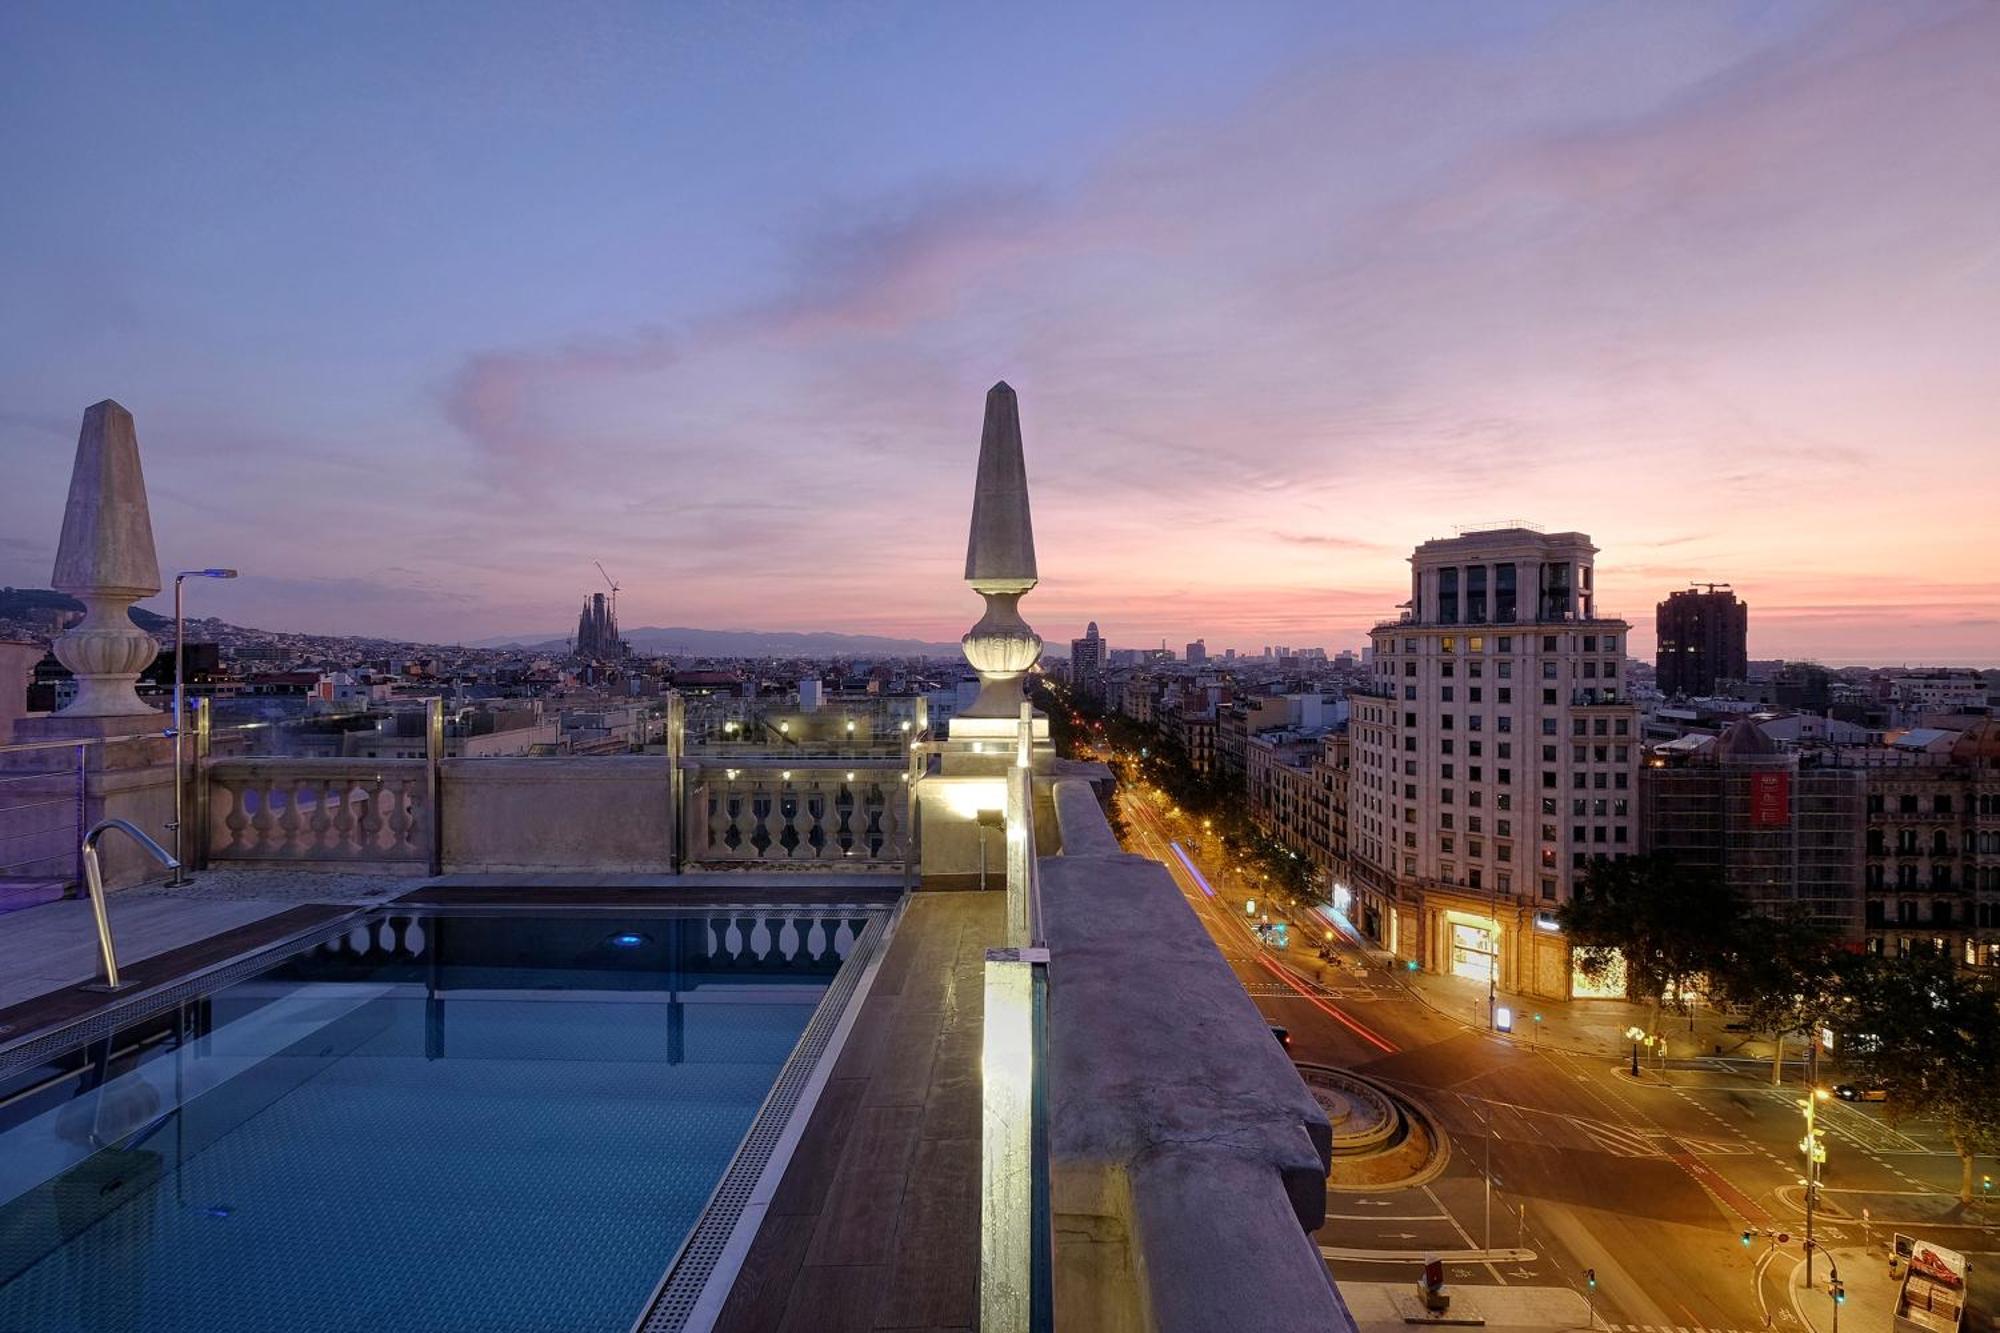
(421, 309)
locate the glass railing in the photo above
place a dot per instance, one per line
(874, 728)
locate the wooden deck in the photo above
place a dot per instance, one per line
(875, 1224)
(65, 1004)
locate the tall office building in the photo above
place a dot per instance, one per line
(1087, 663)
(1704, 637)
(1197, 653)
(1494, 755)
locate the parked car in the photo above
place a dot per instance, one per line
(1860, 1092)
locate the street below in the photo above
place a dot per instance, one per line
(1557, 1163)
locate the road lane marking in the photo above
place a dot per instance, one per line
(1486, 1257)
(1390, 1217)
(1721, 1190)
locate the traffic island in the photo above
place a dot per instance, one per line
(1381, 1140)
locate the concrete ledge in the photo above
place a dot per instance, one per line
(1179, 1130)
(1081, 821)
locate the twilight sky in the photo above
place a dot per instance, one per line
(423, 308)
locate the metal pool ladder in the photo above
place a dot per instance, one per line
(93, 876)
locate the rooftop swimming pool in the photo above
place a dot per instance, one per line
(464, 1122)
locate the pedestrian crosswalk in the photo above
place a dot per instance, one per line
(1466, 1117)
(1278, 990)
(1858, 1127)
(1675, 1328)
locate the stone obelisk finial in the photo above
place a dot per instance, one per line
(1000, 562)
(106, 559)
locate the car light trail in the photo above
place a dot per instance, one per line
(1280, 971)
(1199, 878)
(1366, 1034)
(1333, 917)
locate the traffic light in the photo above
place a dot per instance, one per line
(1839, 1290)
(1746, 1238)
(1986, 1183)
(1590, 1278)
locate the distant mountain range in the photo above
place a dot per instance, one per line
(686, 641)
(21, 606)
(22, 603)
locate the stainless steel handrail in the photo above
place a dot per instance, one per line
(93, 877)
(72, 742)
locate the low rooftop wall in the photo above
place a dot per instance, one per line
(1189, 1161)
(612, 813)
(560, 814)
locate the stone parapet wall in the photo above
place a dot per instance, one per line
(1189, 1160)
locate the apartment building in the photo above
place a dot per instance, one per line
(1295, 788)
(1494, 755)
(1932, 856)
(1192, 727)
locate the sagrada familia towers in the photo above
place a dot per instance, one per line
(597, 630)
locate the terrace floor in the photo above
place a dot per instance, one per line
(875, 1224)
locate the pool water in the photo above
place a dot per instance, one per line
(471, 1124)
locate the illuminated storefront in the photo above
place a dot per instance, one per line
(1610, 985)
(1475, 945)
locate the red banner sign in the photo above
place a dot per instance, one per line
(1770, 799)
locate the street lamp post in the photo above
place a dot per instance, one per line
(1813, 1147)
(180, 713)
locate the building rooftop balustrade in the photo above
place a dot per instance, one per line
(252, 800)
(1409, 620)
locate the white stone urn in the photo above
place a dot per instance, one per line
(1002, 649)
(106, 652)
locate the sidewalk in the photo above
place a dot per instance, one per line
(1587, 1028)
(1871, 1292)
(1594, 1028)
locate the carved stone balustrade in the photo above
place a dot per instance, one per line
(363, 812)
(818, 814)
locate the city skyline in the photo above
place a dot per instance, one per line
(1298, 293)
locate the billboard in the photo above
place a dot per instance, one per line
(1770, 799)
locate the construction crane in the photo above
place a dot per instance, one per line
(614, 589)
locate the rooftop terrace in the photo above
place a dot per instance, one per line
(1022, 1119)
